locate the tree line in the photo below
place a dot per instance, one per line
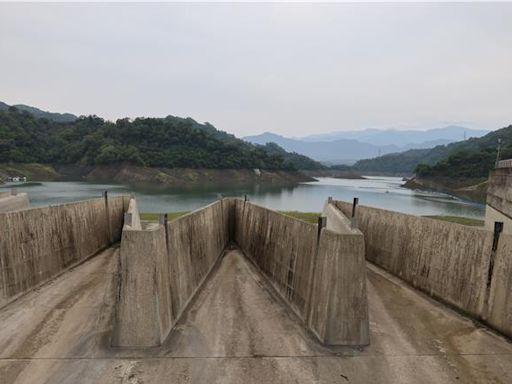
(171, 142)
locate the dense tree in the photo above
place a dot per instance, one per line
(168, 142)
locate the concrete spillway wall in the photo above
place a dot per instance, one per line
(13, 202)
(320, 275)
(161, 269)
(499, 198)
(451, 262)
(37, 244)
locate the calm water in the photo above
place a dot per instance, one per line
(381, 192)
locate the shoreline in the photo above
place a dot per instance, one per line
(157, 177)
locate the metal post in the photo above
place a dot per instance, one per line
(353, 220)
(322, 223)
(498, 229)
(107, 216)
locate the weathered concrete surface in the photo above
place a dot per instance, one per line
(492, 215)
(36, 244)
(322, 279)
(161, 269)
(133, 215)
(498, 311)
(284, 249)
(451, 262)
(499, 195)
(337, 221)
(143, 311)
(195, 242)
(10, 202)
(339, 307)
(237, 332)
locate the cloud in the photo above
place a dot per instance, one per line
(289, 68)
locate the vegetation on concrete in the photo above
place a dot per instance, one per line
(310, 217)
(171, 142)
(460, 220)
(155, 216)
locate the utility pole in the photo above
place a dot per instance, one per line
(498, 153)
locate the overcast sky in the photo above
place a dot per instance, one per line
(293, 69)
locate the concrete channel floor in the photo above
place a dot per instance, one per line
(237, 331)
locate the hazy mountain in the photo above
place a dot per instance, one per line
(40, 114)
(459, 158)
(403, 138)
(364, 144)
(336, 151)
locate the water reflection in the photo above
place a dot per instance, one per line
(381, 192)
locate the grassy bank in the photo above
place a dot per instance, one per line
(459, 220)
(310, 217)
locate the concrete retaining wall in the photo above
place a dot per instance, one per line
(320, 276)
(10, 202)
(37, 244)
(492, 215)
(195, 242)
(162, 267)
(498, 312)
(143, 310)
(499, 199)
(451, 262)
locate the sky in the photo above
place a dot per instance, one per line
(293, 69)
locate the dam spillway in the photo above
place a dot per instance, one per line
(237, 328)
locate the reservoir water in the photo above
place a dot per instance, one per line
(380, 192)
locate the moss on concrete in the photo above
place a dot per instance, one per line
(460, 220)
(310, 217)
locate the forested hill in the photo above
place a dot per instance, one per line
(38, 113)
(154, 142)
(470, 158)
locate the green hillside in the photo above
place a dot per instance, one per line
(155, 142)
(471, 158)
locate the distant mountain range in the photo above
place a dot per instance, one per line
(350, 146)
(40, 114)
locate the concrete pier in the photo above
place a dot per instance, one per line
(318, 273)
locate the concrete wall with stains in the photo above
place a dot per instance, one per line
(499, 199)
(10, 202)
(451, 262)
(195, 242)
(37, 244)
(321, 276)
(161, 269)
(143, 310)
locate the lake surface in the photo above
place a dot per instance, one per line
(380, 192)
